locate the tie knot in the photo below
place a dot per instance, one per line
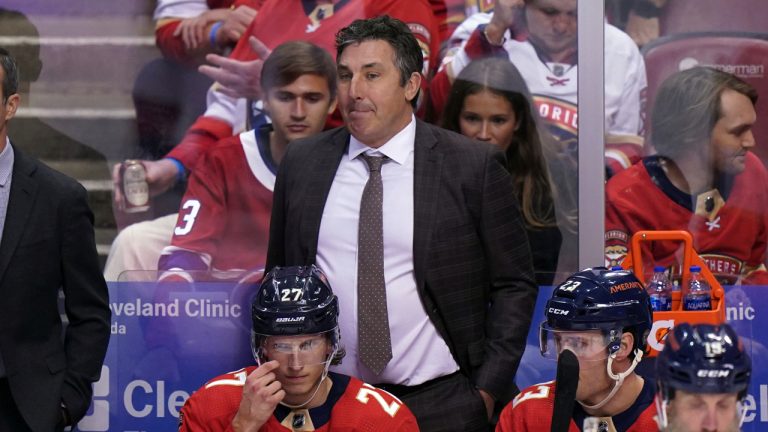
(374, 162)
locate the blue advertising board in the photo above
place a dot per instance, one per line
(168, 339)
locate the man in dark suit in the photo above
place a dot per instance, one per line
(46, 243)
(440, 259)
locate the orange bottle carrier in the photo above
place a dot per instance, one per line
(664, 321)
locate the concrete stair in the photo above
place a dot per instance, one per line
(79, 116)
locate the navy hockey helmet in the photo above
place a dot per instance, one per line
(294, 301)
(703, 358)
(612, 301)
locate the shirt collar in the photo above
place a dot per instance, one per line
(398, 148)
(6, 163)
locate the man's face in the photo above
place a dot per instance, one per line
(552, 24)
(691, 412)
(300, 108)
(490, 117)
(374, 105)
(732, 135)
(591, 349)
(302, 363)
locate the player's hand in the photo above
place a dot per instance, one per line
(261, 394)
(235, 24)
(194, 31)
(505, 15)
(236, 78)
(642, 30)
(161, 176)
(489, 402)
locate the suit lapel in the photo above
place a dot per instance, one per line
(20, 202)
(326, 163)
(427, 166)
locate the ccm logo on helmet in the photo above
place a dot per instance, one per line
(558, 311)
(293, 319)
(713, 373)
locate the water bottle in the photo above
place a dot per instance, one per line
(660, 290)
(699, 294)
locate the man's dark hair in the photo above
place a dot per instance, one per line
(10, 74)
(687, 107)
(293, 59)
(408, 54)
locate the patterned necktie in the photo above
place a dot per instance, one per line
(373, 337)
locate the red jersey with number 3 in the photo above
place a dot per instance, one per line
(533, 408)
(351, 406)
(224, 216)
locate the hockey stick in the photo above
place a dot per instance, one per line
(565, 390)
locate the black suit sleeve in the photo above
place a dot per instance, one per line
(85, 300)
(276, 247)
(512, 288)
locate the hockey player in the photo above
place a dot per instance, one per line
(604, 317)
(702, 377)
(295, 339)
(703, 179)
(223, 222)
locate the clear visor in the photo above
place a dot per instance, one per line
(587, 345)
(294, 351)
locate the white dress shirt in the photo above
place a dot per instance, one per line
(419, 354)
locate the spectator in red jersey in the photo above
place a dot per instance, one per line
(704, 180)
(295, 339)
(223, 222)
(489, 101)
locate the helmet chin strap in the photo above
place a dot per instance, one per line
(319, 383)
(742, 412)
(661, 411)
(618, 379)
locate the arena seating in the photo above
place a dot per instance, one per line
(740, 53)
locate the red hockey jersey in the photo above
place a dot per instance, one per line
(531, 410)
(728, 223)
(224, 216)
(352, 405)
(279, 21)
(168, 15)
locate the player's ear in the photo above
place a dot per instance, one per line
(625, 349)
(11, 105)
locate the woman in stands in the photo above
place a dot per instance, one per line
(489, 101)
